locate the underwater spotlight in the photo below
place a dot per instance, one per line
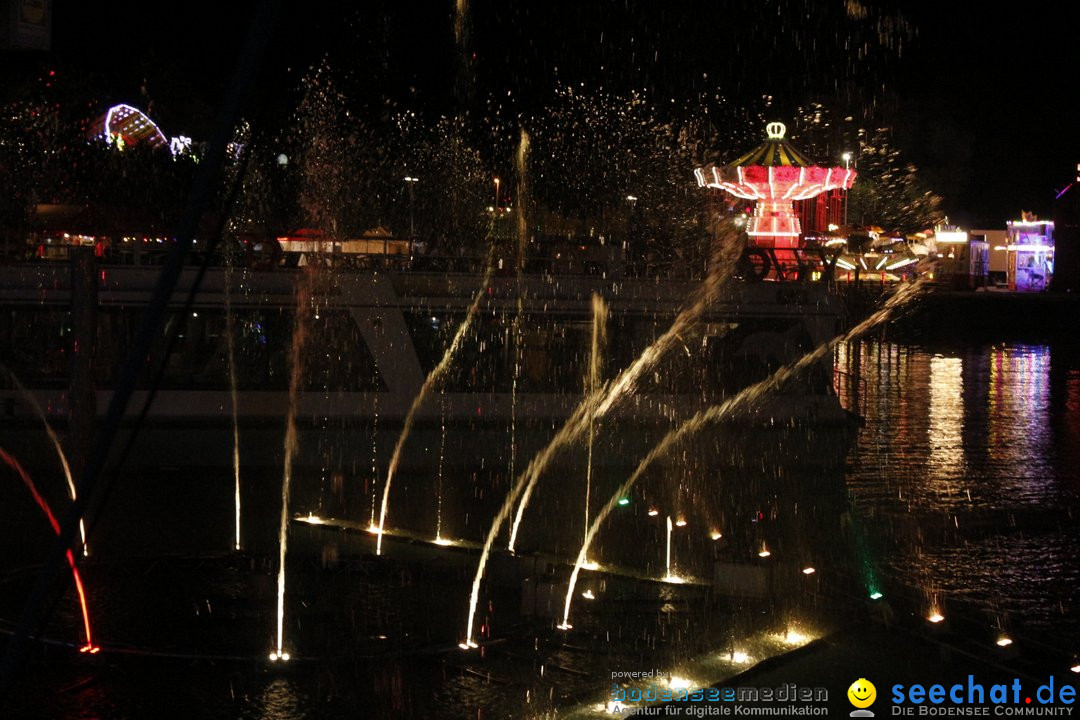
(795, 637)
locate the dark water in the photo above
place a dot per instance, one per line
(964, 484)
(968, 471)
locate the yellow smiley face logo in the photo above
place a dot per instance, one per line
(862, 693)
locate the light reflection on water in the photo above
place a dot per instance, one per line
(968, 464)
(945, 459)
(283, 700)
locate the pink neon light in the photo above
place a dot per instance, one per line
(14, 464)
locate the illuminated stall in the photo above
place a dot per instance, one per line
(1030, 254)
(963, 260)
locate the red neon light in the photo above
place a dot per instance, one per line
(89, 647)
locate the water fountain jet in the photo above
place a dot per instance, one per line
(737, 403)
(607, 396)
(60, 454)
(592, 383)
(230, 345)
(522, 165)
(598, 404)
(296, 359)
(439, 472)
(430, 381)
(89, 646)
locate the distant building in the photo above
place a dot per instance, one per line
(25, 24)
(997, 241)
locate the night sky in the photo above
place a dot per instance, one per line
(980, 101)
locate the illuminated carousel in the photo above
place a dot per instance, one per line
(775, 175)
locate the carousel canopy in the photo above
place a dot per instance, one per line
(774, 175)
(774, 171)
(774, 152)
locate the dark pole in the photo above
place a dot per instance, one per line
(1067, 238)
(412, 224)
(82, 400)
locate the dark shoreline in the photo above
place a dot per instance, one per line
(986, 316)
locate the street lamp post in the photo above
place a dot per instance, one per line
(846, 157)
(410, 181)
(497, 181)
